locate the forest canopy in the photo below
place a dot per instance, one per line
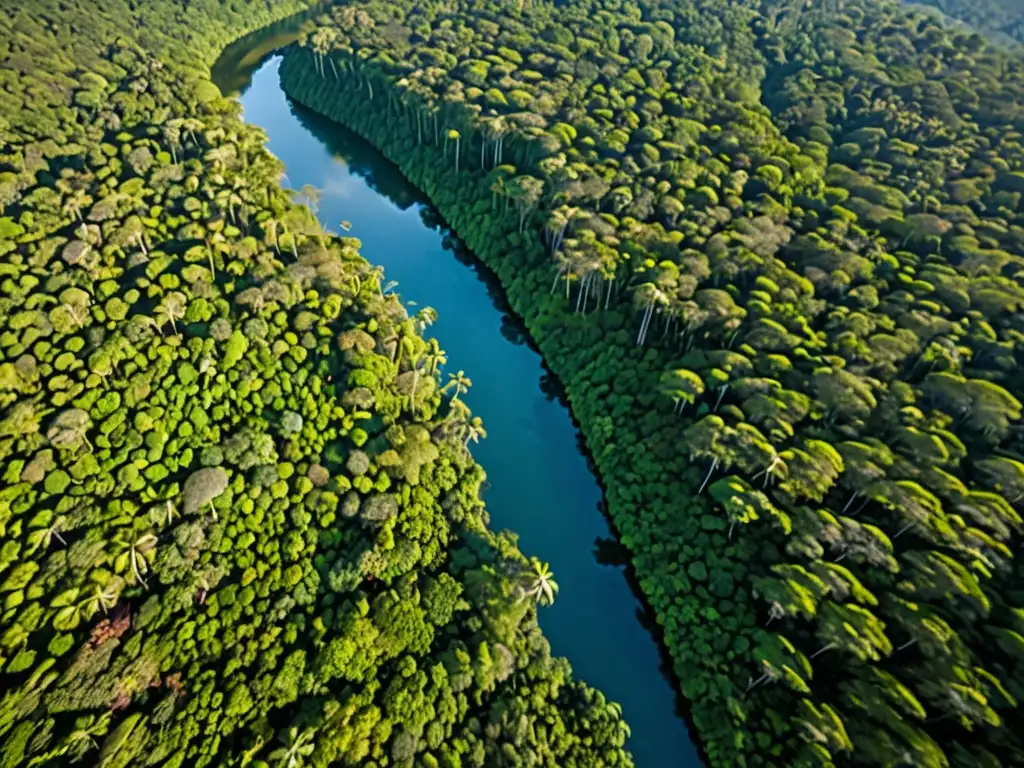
(773, 249)
(239, 523)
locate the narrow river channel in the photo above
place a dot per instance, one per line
(539, 483)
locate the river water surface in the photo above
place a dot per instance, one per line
(538, 481)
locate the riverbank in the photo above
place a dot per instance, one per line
(538, 483)
(686, 565)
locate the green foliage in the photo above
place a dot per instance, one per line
(772, 251)
(196, 568)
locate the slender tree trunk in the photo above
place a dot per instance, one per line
(135, 567)
(721, 393)
(714, 466)
(903, 530)
(821, 650)
(755, 683)
(644, 324)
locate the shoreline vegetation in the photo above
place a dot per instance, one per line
(240, 524)
(613, 549)
(773, 252)
(775, 264)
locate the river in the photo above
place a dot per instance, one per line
(538, 480)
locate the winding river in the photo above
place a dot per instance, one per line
(538, 480)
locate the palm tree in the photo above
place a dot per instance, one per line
(170, 511)
(43, 537)
(156, 323)
(375, 278)
(498, 190)
(73, 311)
(103, 598)
(418, 364)
(427, 360)
(209, 257)
(455, 136)
(70, 428)
(435, 357)
(270, 226)
(557, 223)
(542, 586)
(83, 738)
(651, 298)
(296, 748)
(140, 238)
(136, 556)
(77, 199)
(775, 467)
(406, 345)
(460, 382)
(231, 197)
(172, 135)
(171, 308)
(321, 43)
(426, 317)
(474, 431)
(190, 125)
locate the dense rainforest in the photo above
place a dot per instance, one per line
(773, 250)
(239, 522)
(1001, 21)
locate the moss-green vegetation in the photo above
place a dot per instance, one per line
(773, 252)
(238, 521)
(1000, 20)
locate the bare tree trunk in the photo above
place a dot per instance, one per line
(721, 394)
(821, 650)
(714, 466)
